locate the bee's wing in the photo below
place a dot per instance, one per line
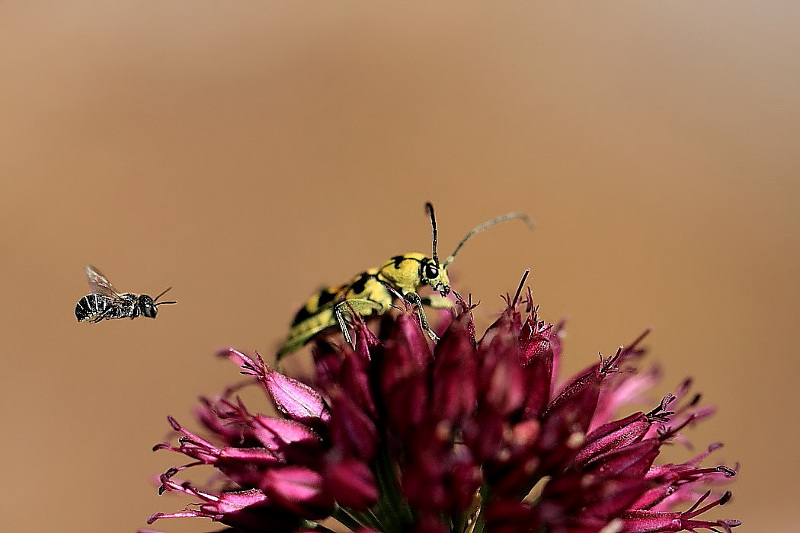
(99, 283)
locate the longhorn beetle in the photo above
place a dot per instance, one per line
(373, 291)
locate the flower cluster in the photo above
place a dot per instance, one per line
(399, 433)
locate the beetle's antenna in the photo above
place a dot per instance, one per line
(488, 224)
(160, 295)
(429, 210)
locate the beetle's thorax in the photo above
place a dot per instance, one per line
(408, 272)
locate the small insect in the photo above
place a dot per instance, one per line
(106, 303)
(372, 292)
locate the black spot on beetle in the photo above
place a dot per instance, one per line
(326, 297)
(302, 315)
(360, 284)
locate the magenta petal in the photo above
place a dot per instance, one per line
(253, 456)
(353, 433)
(614, 435)
(505, 327)
(568, 417)
(439, 476)
(589, 497)
(351, 483)
(629, 388)
(327, 364)
(629, 461)
(406, 353)
(483, 433)
(578, 396)
(455, 372)
(216, 415)
(296, 400)
(241, 359)
(247, 509)
(464, 479)
(299, 490)
(538, 364)
(423, 481)
(233, 501)
(406, 406)
(409, 336)
(502, 378)
(278, 433)
(355, 379)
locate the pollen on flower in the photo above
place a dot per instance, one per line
(462, 434)
(575, 440)
(615, 526)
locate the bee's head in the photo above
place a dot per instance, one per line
(147, 306)
(435, 275)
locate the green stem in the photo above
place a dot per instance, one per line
(349, 519)
(392, 509)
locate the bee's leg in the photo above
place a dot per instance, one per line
(415, 299)
(346, 310)
(104, 314)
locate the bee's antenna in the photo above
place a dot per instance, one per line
(429, 210)
(162, 294)
(485, 225)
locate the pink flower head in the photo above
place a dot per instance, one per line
(466, 434)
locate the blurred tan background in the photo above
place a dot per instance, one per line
(247, 154)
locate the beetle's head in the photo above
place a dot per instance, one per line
(433, 274)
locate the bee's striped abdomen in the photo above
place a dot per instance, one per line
(92, 306)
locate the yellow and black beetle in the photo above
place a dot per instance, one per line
(373, 291)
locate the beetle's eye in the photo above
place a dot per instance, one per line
(431, 271)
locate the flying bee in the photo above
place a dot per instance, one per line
(373, 292)
(106, 302)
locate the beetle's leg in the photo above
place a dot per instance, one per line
(342, 324)
(415, 299)
(346, 310)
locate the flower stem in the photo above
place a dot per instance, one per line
(354, 519)
(392, 509)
